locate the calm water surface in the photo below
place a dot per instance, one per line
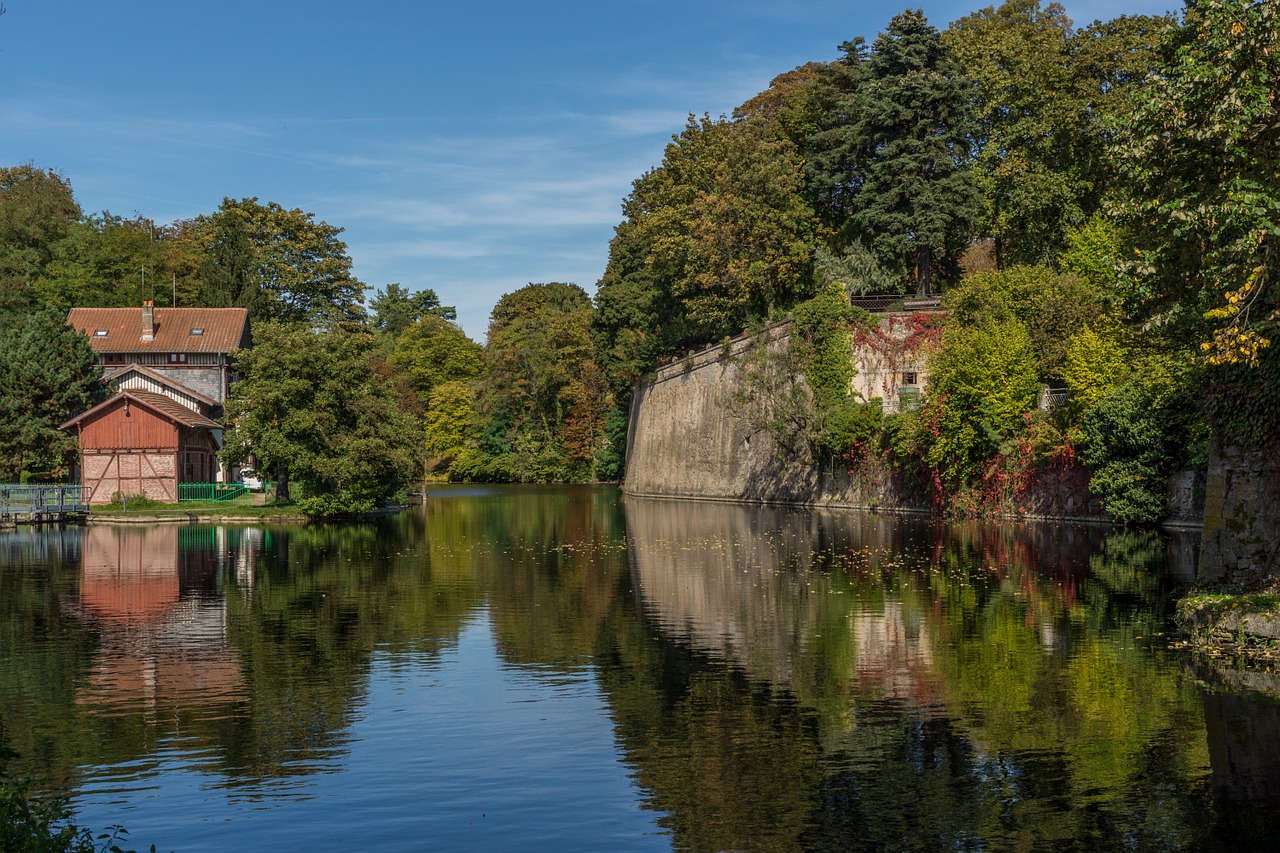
(556, 668)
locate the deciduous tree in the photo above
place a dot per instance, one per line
(37, 211)
(432, 351)
(395, 308)
(301, 265)
(309, 407)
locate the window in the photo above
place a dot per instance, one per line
(177, 358)
(197, 331)
(113, 358)
(909, 377)
(100, 333)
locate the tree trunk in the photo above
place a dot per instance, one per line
(924, 288)
(282, 484)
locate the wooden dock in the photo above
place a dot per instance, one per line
(42, 504)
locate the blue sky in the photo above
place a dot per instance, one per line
(468, 147)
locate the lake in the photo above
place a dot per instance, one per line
(531, 668)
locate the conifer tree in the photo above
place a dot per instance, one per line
(894, 158)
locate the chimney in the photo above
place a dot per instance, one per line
(148, 321)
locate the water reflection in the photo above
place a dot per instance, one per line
(968, 684)
(767, 679)
(159, 618)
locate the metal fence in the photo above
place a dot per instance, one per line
(41, 497)
(879, 303)
(211, 492)
(1053, 398)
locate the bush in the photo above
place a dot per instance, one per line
(1124, 444)
(30, 823)
(119, 500)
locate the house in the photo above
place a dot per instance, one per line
(171, 371)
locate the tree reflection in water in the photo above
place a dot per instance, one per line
(776, 680)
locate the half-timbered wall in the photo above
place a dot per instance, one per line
(130, 472)
(135, 381)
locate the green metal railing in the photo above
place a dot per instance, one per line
(211, 492)
(32, 497)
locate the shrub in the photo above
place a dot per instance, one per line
(1124, 444)
(120, 500)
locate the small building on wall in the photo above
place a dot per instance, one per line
(171, 371)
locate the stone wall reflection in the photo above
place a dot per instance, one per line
(745, 583)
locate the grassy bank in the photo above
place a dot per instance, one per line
(136, 511)
(1233, 623)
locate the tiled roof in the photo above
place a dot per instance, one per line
(223, 329)
(161, 379)
(160, 404)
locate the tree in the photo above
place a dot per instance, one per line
(537, 343)
(1052, 307)
(734, 235)
(918, 198)
(1200, 197)
(105, 260)
(540, 378)
(48, 373)
(452, 425)
(432, 351)
(310, 407)
(395, 309)
(301, 266)
(895, 159)
(1029, 111)
(37, 211)
(229, 271)
(717, 236)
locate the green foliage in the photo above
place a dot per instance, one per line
(715, 238)
(988, 372)
(1124, 442)
(1051, 307)
(33, 824)
(1045, 93)
(300, 265)
(543, 399)
(48, 373)
(39, 823)
(822, 343)
(1198, 196)
(733, 237)
(119, 500)
(1095, 363)
(309, 405)
(983, 382)
(856, 269)
(37, 211)
(452, 425)
(1093, 253)
(432, 351)
(611, 459)
(229, 269)
(395, 308)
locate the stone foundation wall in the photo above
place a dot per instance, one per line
(688, 438)
(1241, 541)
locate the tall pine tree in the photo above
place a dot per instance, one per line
(897, 154)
